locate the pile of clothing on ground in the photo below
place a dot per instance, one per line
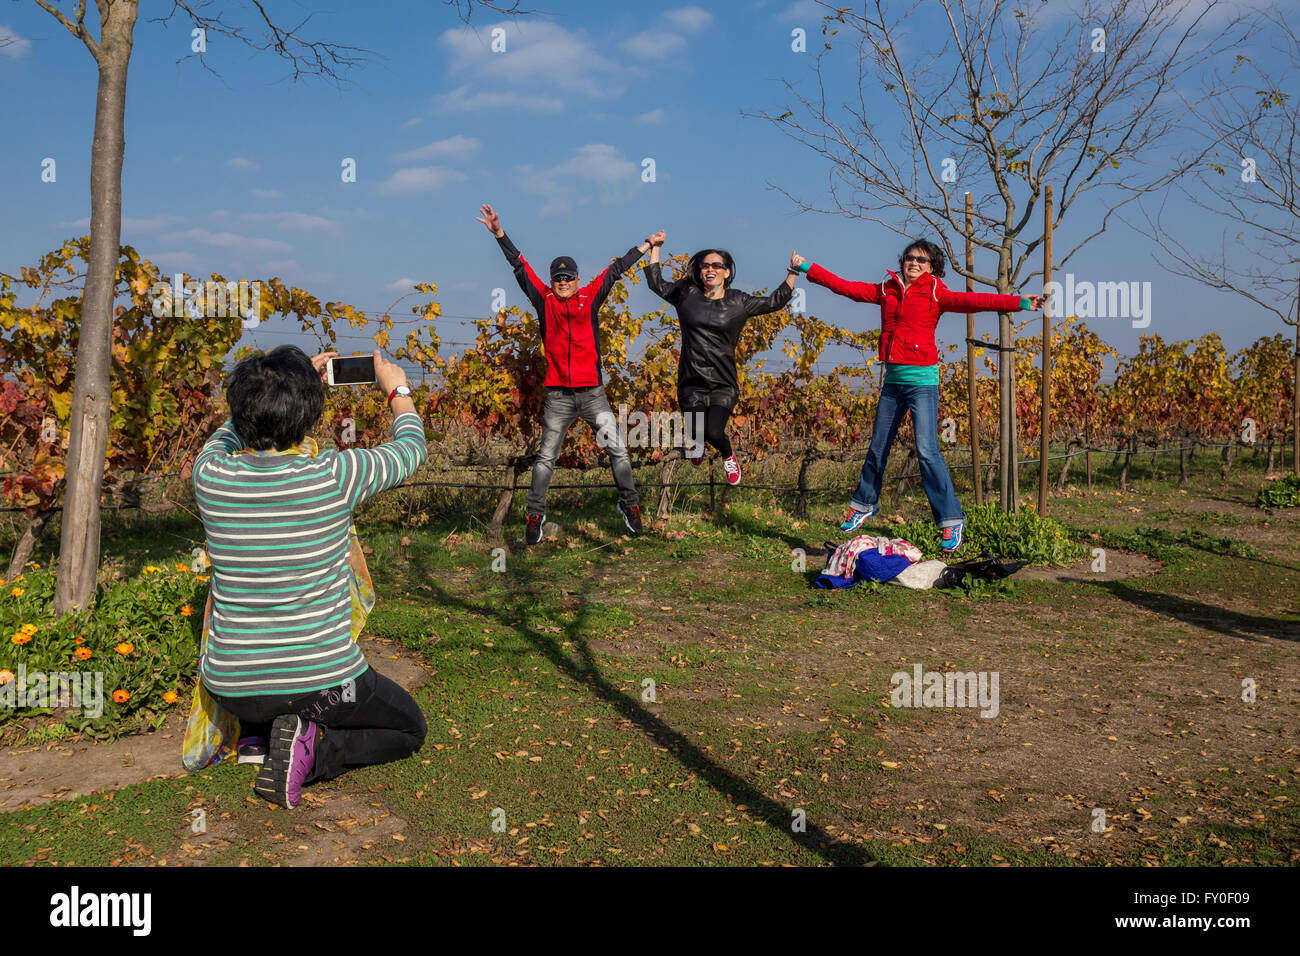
(868, 558)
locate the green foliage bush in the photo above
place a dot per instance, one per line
(1281, 493)
(1022, 537)
(138, 635)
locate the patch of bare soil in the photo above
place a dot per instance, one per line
(1119, 564)
(67, 768)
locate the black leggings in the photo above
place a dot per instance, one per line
(715, 425)
(380, 722)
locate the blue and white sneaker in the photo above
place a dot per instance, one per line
(856, 518)
(952, 537)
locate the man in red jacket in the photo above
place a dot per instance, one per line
(910, 308)
(575, 383)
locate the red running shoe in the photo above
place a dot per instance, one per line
(733, 470)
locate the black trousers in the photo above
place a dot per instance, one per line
(380, 722)
(713, 406)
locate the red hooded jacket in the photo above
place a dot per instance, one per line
(568, 326)
(908, 319)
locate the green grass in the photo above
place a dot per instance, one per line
(770, 696)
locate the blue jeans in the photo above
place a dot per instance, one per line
(923, 402)
(564, 406)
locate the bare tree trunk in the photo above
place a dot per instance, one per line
(801, 508)
(1227, 460)
(79, 540)
(666, 492)
(1268, 466)
(970, 361)
(1087, 455)
(1295, 403)
(27, 543)
(1070, 448)
(503, 503)
(1129, 452)
(1182, 463)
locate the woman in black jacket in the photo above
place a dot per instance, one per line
(712, 315)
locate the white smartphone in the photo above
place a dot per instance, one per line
(352, 370)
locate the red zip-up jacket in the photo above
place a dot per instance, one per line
(569, 335)
(908, 319)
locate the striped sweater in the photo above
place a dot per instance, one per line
(277, 528)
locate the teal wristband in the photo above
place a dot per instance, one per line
(1024, 303)
(804, 266)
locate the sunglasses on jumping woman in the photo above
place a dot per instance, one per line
(914, 258)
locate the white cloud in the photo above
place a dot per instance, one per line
(240, 162)
(539, 56)
(594, 169)
(131, 225)
(803, 10)
(401, 285)
(654, 44)
(690, 19)
(652, 118)
(176, 260)
(461, 100)
(12, 45)
(455, 147)
(412, 122)
(267, 193)
(419, 179)
(229, 240)
(297, 220)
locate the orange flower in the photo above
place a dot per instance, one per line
(120, 697)
(182, 567)
(20, 638)
(83, 653)
(124, 648)
(6, 677)
(170, 697)
(17, 592)
(187, 610)
(80, 640)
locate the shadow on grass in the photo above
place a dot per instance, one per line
(1248, 627)
(584, 670)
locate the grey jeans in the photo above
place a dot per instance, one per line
(563, 407)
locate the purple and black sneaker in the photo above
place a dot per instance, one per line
(289, 760)
(253, 750)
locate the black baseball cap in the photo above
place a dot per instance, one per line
(563, 265)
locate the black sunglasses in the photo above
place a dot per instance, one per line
(563, 277)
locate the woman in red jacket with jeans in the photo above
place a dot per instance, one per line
(910, 308)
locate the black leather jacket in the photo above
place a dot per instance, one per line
(711, 327)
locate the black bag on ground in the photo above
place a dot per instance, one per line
(985, 566)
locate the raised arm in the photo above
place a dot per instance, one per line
(858, 291)
(604, 282)
(779, 297)
(364, 472)
(670, 292)
(528, 280)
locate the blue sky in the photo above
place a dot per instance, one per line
(240, 174)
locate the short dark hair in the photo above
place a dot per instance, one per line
(693, 270)
(275, 398)
(931, 250)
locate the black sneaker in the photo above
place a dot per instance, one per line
(632, 516)
(533, 532)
